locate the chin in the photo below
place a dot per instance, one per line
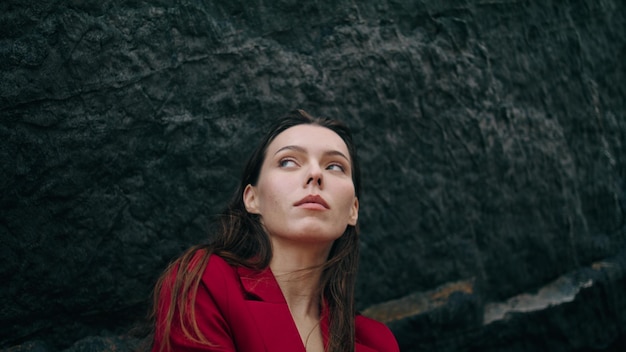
(319, 236)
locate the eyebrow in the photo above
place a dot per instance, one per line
(303, 150)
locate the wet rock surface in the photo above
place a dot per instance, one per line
(492, 137)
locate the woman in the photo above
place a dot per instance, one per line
(280, 275)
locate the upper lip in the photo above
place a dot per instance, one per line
(313, 198)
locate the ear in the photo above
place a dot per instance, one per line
(354, 212)
(250, 200)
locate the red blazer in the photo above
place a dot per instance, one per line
(238, 309)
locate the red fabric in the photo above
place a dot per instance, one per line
(238, 309)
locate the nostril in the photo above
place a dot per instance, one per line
(318, 180)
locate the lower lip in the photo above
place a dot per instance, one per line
(312, 206)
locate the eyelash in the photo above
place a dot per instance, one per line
(341, 168)
(283, 163)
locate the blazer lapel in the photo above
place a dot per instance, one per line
(325, 322)
(269, 310)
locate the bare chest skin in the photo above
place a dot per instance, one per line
(311, 335)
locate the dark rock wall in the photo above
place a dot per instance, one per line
(492, 136)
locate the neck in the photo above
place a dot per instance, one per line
(298, 269)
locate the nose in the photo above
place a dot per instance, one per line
(315, 176)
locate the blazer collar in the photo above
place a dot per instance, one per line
(270, 310)
(260, 285)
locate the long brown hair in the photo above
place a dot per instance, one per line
(242, 241)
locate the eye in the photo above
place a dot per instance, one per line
(336, 167)
(287, 163)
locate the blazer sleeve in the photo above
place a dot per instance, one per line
(210, 308)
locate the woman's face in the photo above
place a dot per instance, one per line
(305, 191)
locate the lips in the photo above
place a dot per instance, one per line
(312, 200)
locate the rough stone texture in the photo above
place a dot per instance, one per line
(580, 311)
(492, 135)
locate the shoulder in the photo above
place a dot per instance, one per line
(214, 272)
(219, 274)
(202, 262)
(187, 315)
(216, 265)
(375, 335)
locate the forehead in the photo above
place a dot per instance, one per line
(310, 137)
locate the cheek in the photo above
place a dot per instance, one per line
(347, 196)
(270, 196)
